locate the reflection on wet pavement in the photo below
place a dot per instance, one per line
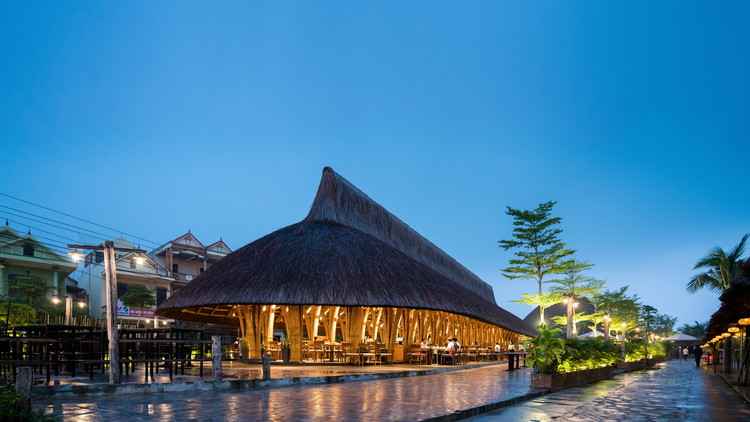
(404, 399)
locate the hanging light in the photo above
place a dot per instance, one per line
(733, 329)
(75, 256)
(744, 321)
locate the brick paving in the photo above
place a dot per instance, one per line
(399, 399)
(673, 391)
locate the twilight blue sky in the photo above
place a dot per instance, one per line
(155, 118)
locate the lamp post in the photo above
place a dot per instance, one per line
(108, 247)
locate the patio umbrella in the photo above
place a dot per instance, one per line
(680, 337)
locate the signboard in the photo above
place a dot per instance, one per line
(123, 310)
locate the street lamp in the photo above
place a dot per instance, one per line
(108, 247)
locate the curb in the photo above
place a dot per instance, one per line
(474, 411)
(97, 390)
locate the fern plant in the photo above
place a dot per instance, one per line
(547, 351)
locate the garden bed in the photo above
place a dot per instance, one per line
(561, 381)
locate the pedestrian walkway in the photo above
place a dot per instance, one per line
(394, 399)
(672, 391)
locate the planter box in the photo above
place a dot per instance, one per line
(557, 382)
(632, 366)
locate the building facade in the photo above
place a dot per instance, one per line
(25, 257)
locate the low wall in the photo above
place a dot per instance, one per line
(557, 382)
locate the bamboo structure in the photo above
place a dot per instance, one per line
(350, 271)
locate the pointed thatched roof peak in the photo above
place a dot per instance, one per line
(341, 202)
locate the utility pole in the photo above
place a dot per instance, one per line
(108, 248)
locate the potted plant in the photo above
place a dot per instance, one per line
(285, 349)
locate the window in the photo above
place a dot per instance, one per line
(133, 263)
(121, 289)
(161, 296)
(200, 269)
(175, 268)
(28, 250)
(99, 257)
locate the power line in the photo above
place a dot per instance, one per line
(78, 218)
(49, 224)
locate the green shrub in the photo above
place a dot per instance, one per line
(547, 351)
(590, 353)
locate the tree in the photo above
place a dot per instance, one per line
(539, 252)
(30, 285)
(138, 297)
(20, 313)
(722, 267)
(620, 307)
(696, 330)
(575, 284)
(542, 300)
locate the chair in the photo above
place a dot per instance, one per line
(416, 354)
(385, 355)
(351, 354)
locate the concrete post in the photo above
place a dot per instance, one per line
(216, 356)
(23, 389)
(266, 366)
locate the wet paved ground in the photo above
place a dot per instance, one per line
(672, 391)
(400, 399)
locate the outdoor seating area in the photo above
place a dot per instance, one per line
(73, 351)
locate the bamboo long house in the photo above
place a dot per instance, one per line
(351, 269)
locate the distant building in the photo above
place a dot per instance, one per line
(186, 257)
(131, 268)
(24, 255)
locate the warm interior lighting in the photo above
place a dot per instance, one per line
(726, 334)
(744, 321)
(733, 329)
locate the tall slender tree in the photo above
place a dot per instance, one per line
(721, 268)
(575, 284)
(538, 250)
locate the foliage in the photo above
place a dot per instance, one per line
(635, 350)
(656, 349)
(721, 268)
(664, 325)
(578, 319)
(547, 351)
(697, 330)
(30, 285)
(9, 408)
(20, 313)
(620, 306)
(575, 283)
(543, 300)
(285, 344)
(590, 353)
(539, 252)
(139, 297)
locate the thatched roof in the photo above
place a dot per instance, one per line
(735, 303)
(348, 251)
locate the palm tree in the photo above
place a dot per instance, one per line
(722, 267)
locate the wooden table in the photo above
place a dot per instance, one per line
(514, 359)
